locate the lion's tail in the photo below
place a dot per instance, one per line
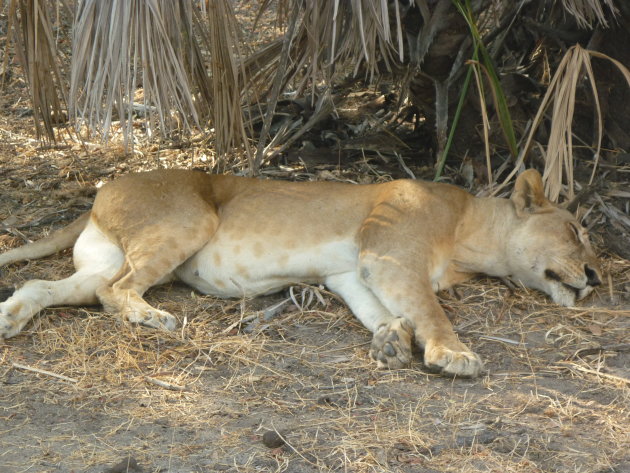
(57, 241)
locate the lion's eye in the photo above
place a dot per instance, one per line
(549, 274)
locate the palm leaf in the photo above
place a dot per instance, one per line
(561, 93)
(228, 79)
(123, 45)
(587, 12)
(36, 49)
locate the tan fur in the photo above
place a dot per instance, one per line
(384, 248)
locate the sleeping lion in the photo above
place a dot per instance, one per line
(385, 249)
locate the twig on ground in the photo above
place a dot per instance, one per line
(610, 377)
(502, 339)
(47, 373)
(164, 384)
(619, 347)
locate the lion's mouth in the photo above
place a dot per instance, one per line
(577, 291)
(571, 291)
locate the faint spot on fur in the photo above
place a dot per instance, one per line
(242, 271)
(17, 308)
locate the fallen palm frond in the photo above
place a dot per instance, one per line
(322, 110)
(36, 49)
(561, 92)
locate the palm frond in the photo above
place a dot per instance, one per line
(35, 48)
(228, 78)
(561, 92)
(588, 12)
(120, 46)
(335, 34)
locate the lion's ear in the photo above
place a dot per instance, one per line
(528, 195)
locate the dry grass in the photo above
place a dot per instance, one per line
(203, 396)
(326, 400)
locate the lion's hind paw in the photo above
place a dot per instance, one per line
(151, 317)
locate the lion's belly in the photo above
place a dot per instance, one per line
(228, 267)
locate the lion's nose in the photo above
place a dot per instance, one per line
(591, 276)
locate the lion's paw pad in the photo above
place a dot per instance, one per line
(391, 345)
(461, 362)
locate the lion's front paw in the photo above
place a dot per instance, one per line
(391, 345)
(454, 362)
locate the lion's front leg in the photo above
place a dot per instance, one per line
(407, 295)
(393, 336)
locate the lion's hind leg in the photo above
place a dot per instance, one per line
(151, 257)
(35, 295)
(96, 260)
(123, 294)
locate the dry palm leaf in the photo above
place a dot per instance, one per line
(121, 46)
(586, 12)
(36, 50)
(561, 92)
(228, 78)
(333, 34)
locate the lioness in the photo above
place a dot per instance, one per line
(384, 248)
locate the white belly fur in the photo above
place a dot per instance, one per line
(245, 268)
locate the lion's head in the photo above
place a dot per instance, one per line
(550, 250)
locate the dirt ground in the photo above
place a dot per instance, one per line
(117, 398)
(284, 383)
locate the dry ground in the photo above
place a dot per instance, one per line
(555, 397)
